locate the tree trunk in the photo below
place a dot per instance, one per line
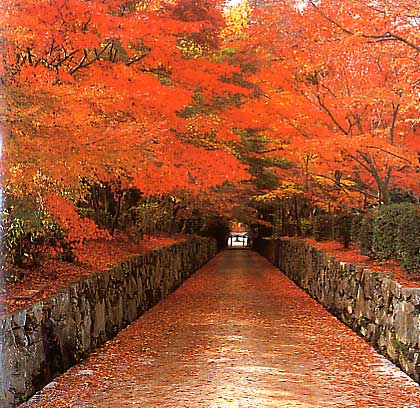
(116, 216)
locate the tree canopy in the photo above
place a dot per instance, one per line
(210, 103)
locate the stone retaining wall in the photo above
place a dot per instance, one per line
(43, 341)
(371, 303)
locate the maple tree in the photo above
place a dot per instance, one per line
(339, 97)
(177, 115)
(94, 94)
(111, 104)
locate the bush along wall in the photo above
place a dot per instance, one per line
(323, 227)
(392, 232)
(371, 303)
(365, 234)
(40, 342)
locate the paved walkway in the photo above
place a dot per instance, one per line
(236, 334)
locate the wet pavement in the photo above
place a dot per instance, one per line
(238, 333)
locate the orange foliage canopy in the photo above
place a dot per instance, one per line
(95, 91)
(340, 96)
(158, 95)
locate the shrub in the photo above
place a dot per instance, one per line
(385, 228)
(366, 234)
(323, 227)
(356, 226)
(342, 228)
(28, 234)
(149, 217)
(32, 231)
(394, 233)
(102, 218)
(74, 229)
(307, 227)
(408, 237)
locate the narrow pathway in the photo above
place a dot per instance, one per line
(236, 334)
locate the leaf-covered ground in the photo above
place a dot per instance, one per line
(51, 275)
(236, 334)
(353, 255)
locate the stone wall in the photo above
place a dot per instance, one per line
(371, 303)
(43, 341)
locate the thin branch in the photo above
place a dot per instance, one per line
(135, 59)
(324, 107)
(84, 64)
(388, 36)
(80, 64)
(275, 149)
(364, 165)
(330, 19)
(388, 175)
(344, 187)
(390, 153)
(394, 121)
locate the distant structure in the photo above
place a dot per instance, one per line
(239, 236)
(238, 240)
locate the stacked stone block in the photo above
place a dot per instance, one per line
(371, 303)
(38, 343)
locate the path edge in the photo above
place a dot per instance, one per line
(47, 338)
(372, 304)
